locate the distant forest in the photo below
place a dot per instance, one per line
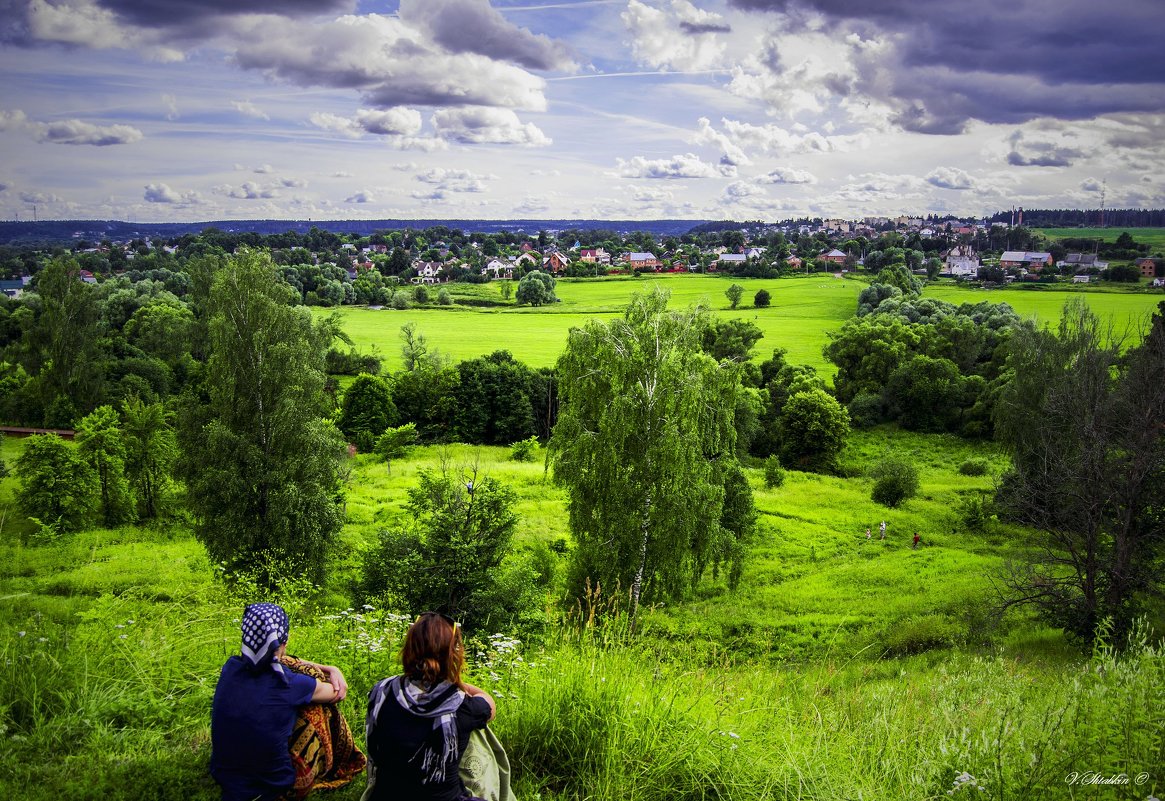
(1086, 218)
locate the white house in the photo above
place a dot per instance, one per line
(498, 269)
(962, 261)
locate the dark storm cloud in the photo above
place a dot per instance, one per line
(1028, 153)
(473, 26)
(1001, 60)
(166, 13)
(696, 28)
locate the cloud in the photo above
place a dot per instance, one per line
(40, 197)
(263, 169)
(249, 109)
(446, 180)
(950, 178)
(398, 126)
(487, 126)
(787, 175)
(162, 193)
(248, 191)
(12, 120)
(1029, 152)
(386, 61)
(171, 103)
(940, 69)
(678, 37)
(687, 165)
(76, 132)
(293, 183)
(707, 135)
(170, 13)
(473, 26)
(652, 195)
(740, 190)
(775, 139)
(532, 204)
(363, 196)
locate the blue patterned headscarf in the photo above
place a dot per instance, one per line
(265, 628)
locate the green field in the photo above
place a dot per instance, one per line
(803, 312)
(1154, 237)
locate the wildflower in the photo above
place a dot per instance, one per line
(21, 633)
(119, 626)
(123, 636)
(42, 639)
(369, 607)
(734, 735)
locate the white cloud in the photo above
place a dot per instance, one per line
(77, 132)
(162, 193)
(739, 190)
(678, 36)
(707, 135)
(950, 178)
(687, 165)
(249, 109)
(248, 191)
(171, 103)
(787, 175)
(363, 196)
(480, 125)
(448, 180)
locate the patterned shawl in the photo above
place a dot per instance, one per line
(438, 754)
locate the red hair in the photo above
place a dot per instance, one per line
(432, 651)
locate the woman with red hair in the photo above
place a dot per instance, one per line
(419, 722)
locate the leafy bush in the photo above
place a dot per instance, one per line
(865, 410)
(523, 450)
(895, 480)
(420, 294)
(762, 299)
(975, 512)
(57, 486)
(774, 473)
(974, 467)
(536, 288)
(395, 442)
(921, 633)
(444, 298)
(400, 300)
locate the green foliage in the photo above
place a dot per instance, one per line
(895, 481)
(762, 299)
(444, 298)
(420, 294)
(451, 560)
(900, 277)
(260, 459)
(395, 443)
(643, 417)
(367, 410)
(399, 300)
(101, 442)
(730, 339)
(57, 485)
(524, 450)
(812, 430)
(866, 410)
(536, 289)
(493, 400)
(734, 293)
(974, 467)
(920, 633)
(774, 473)
(873, 295)
(151, 449)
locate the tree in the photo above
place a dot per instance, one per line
(762, 299)
(895, 480)
(451, 559)
(536, 288)
(812, 430)
(644, 434)
(260, 458)
(151, 449)
(100, 442)
(367, 410)
(730, 340)
(1086, 431)
(734, 293)
(57, 486)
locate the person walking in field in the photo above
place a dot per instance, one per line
(914, 545)
(882, 530)
(867, 533)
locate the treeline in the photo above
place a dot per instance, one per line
(1072, 218)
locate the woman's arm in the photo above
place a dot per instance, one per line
(470, 690)
(325, 693)
(335, 679)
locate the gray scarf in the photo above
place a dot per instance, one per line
(438, 754)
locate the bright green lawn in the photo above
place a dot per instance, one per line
(1155, 237)
(802, 310)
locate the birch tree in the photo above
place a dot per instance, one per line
(643, 443)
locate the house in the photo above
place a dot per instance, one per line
(1148, 267)
(962, 261)
(754, 253)
(728, 259)
(642, 261)
(594, 256)
(429, 272)
(834, 256)
(527, 258)
(12, 288)
(1082, 261)
(1080, 279)
(1022, 258)
(555, 263)
(498, 269)
(88, 277)
(1158, 282)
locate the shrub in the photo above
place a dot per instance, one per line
(400, 301)
(420, 294)
(975, 512)
(895, 480)
(444, 298)
(915, 635)
(774, 473)
(762, 299)
(974, 467)
(536, 289)
(865, 410)
(523, 450)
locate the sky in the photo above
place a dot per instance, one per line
(191, 110)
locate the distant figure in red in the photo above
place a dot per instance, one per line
(915, 545)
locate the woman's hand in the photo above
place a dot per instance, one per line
(336, 679)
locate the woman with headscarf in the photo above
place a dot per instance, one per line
(255, 708)
(419, 723)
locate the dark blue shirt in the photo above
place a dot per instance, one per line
(250, 724)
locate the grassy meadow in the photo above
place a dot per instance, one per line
(840, 669)
(803, 312)
(1154, 237)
